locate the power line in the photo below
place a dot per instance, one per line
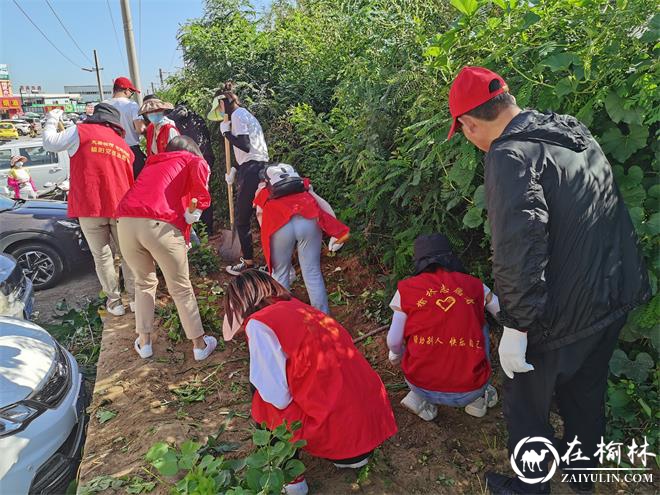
(68, 33)
(44, 35)
(112, 20)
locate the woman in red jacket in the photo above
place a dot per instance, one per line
(292, 216)
(154, 219)
(306, 368)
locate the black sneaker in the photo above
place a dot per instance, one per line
(499, 484)
(239, 268)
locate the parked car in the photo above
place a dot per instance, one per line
(42, 238)
(42, 411)
(7, 131)
(22, 126)
(44, 166)
(16, 291)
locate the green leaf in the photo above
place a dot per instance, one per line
(561, 61)
(479, 197)
(294, 468)
(105, 415)
(614, 105)
(500, 3)
(261, 437)
(167, 465)
(258, 459)
(529, 19)
(564, 87)
(473, 218)
(630, 185)
(637, 370)
(622, 146)
(653, 33)
(272, 481)
(467, 7)
(653, 224)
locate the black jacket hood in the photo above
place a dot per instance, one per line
(551, 128)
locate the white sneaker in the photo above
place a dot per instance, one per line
(211, 344)
(292, 275)
(355, 465)
(132, 306)
(419, 406)
(115, 308)
(144, 351)
(299, 488)
(479, 407)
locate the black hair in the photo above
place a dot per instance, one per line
(148, 97)
(490, 110)
(116, 88)
(228, 92)
(184, 143)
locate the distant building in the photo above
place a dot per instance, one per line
(89, 93)
(44, 102)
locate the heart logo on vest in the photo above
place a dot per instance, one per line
(446, 303)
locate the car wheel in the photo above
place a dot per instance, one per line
(40, 263)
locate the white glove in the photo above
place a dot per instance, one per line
(231, 176)
(225, 127)
(192, 217)
(333, 245)
(513, 346)
(54, 115)
(395, 359)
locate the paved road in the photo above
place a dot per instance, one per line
(75, 288)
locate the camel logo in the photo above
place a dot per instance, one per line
(534, 455)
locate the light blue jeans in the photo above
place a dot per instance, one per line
(306, 235)
(455, 399)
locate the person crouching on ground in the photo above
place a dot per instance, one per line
(154, 221)
(19, 180)
(306, 368)
(292, 215)
(160, 130)
(439, 333)
(100, 174)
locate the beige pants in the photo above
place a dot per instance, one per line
(143, 242)
(100, 232)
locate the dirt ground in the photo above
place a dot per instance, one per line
(449, 455)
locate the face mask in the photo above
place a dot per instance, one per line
(156, 118)
(19, 165)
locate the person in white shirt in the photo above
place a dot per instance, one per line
(122, 92)
(244, 132)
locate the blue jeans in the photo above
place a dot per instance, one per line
(455, 399)
(306, 234)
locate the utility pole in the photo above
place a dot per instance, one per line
(160, 72)
(153, 90)
(98, 70)
(133, 66)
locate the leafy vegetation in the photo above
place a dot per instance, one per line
(209, 298)
(204, 470)
(354, 94)
(203, 258)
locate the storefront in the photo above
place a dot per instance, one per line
(10, 106)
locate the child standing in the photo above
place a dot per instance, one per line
(19, 179)
(439, 333)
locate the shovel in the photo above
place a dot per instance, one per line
(229, 247)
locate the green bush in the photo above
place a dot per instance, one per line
(354, 94)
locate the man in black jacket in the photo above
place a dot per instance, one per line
(566, 265)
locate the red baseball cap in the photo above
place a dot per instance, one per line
(125, 83)
(472, 87)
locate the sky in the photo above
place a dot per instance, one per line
(33, 61)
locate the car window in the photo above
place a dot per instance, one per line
(6, 126)
(5, 157)
(37, 155)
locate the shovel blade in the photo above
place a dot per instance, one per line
(229, 247)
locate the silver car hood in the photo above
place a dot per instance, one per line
(27, 354)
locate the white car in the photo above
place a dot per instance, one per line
(22, 126)
(45, 167)
(42, 411)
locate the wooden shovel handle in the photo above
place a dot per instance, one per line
(230, 188)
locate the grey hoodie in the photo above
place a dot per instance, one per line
(565, 257)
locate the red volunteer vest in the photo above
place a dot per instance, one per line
(340, 400)
(278, 212)
(101, 172)
(445, 349)
(161, 139)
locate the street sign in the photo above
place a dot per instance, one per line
(4, 72)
